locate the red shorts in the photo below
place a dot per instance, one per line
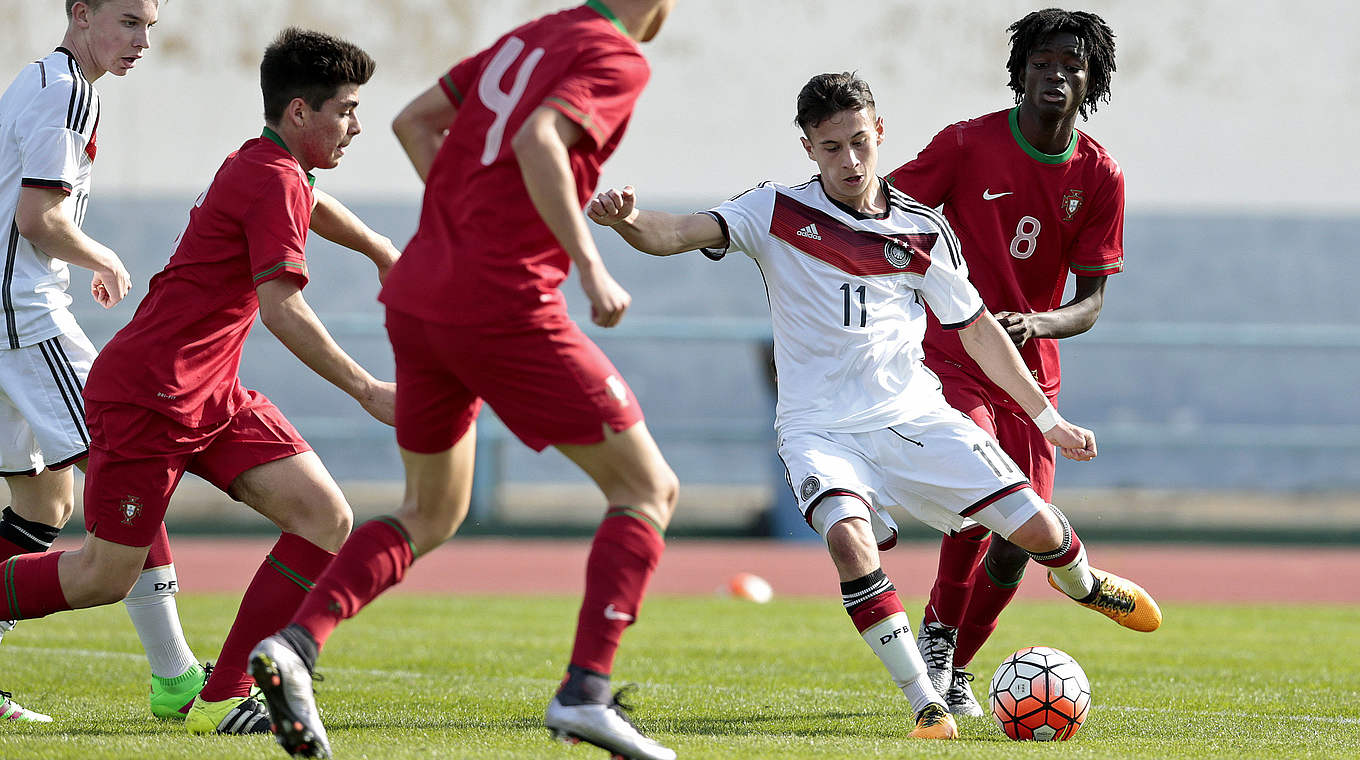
(1011, 428)
(137, 457)
(547, 382)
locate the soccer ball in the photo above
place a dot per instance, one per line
(750, 587)
(1040, 693)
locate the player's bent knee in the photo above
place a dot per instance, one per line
(1039, 534)
(430, 529)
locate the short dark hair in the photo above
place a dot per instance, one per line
(309, 65)
(94, 5)
(1097, 43)
(826, 95)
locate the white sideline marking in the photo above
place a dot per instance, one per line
(407, 674)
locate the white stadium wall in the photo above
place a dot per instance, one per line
(1218, 106)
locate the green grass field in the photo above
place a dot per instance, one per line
(468, 677)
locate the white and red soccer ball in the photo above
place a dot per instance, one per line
(748, 586)
(1041, 694)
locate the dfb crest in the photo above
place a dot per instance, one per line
(897, 253)
(811, 485)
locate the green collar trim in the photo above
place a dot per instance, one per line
(603, 10)
(1035, 153)
(273, 137)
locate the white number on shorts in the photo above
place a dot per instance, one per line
(1026, 237)
(500, 102)
(999, 462)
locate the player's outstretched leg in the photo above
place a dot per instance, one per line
(1120, 600)
(11, 710)
(280, 667)
(571, 718)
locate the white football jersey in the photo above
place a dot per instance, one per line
(48, 119)
(847, 296)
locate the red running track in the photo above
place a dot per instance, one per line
(1171, 572)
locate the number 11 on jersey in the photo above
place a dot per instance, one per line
(863, 312)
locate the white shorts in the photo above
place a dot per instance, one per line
(940, 468)
(42, 415)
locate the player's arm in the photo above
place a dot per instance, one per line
(42, 221)
(422, 126)
(654, 232)
(284, 311)
(540, 147)
(987, 343)
(1072, 318)
(333, 221)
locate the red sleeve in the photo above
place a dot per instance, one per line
(1099, 246)
(457, 83)
(929, 177)
(276, 228)
(599, 93)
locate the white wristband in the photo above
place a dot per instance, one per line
(1047, 419)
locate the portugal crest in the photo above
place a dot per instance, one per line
(1071, 204)
(897, 253)
(130, 508)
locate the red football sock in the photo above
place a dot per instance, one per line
(158, 554)
(953, 580)
(374, 559)
(30, 587)
(989, 598)
(10, 549)
(279, 586)
(623, 556)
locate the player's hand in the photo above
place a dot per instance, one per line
(608, 299)
(1016, 325)
(380, 400)
(1074, 442)
(612, 206)
(111, 285)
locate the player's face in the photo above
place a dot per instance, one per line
(119, 32)
(1055, 76)
(845, 148)
(327, 132)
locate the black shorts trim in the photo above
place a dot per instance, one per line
(67, 462)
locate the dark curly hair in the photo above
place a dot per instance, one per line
(826, 95)
(1097, 43)
(309, 65)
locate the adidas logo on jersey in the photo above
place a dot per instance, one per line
(810, 231)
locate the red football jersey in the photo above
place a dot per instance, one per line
(1025, 219)
(481, 254)
(181, 352)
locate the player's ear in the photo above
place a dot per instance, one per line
(807, 146)
(878, 127)
(297, 111)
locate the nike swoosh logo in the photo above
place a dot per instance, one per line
(988, 195)
(612, 614)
